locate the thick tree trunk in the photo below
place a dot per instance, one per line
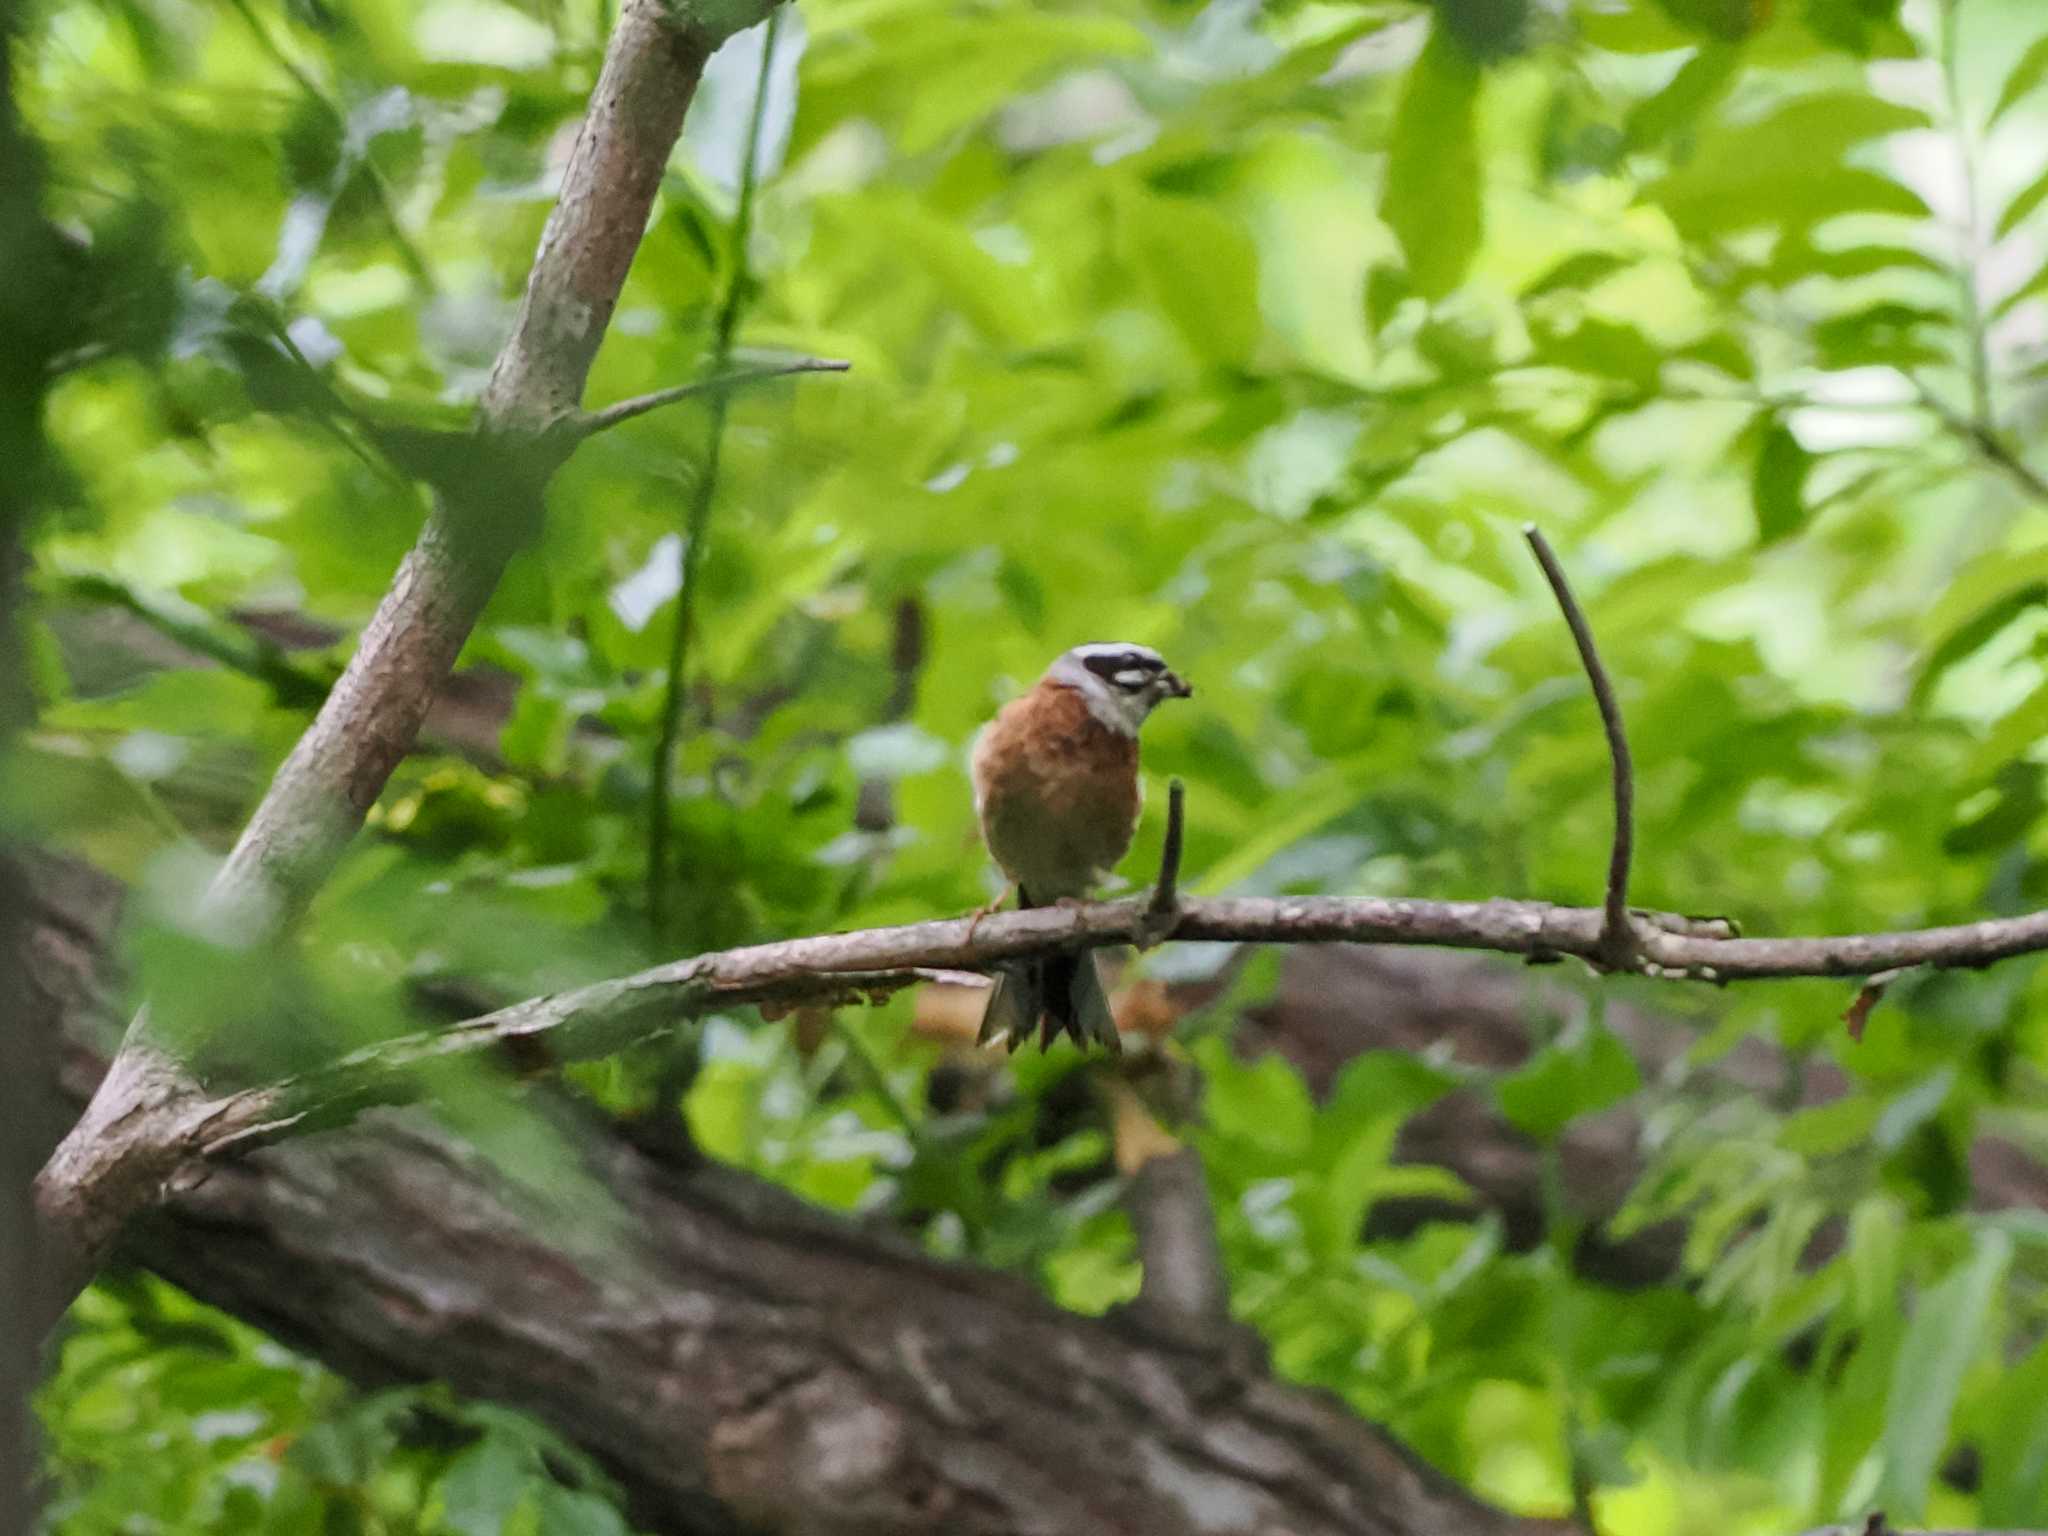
(739, 1360)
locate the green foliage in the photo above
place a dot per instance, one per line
(1251, 332)
(243, 1437)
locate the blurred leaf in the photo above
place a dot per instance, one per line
(1729, 20)
(2023, 81)
(1583, 269)
(484, 1485)
(1202, 268)
(1946, 1333)
(1779, 485)
(1586, 1070)
(1788, 168)
(1860, 26)
(2022, 206)
(571, 1512)
(1700, 82)
(1434, 181)
(1976, 607)
(2015, 1447)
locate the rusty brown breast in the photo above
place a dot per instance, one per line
(1057, 792)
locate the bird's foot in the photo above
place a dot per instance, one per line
(987, 910)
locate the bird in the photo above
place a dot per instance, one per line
(1056, 791)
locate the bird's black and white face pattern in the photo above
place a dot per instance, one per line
(1120, 681)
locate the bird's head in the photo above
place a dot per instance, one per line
(1120, 681)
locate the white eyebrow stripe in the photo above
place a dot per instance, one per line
(1097, 650)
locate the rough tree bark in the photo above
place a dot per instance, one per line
(739, 1360)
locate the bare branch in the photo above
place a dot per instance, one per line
(168, 1135)
(585, 424)
(1618, 942)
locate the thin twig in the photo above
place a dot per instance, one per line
(1166, 892)
(1618, 940)
(699, 524)
(589, 423)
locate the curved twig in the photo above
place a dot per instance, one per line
(1618, 942)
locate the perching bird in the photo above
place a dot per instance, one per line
(1056, 789)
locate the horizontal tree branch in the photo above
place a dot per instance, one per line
(851, 967)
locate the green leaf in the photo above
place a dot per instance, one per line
(1890, 333)
(1798, 257)
(1789, 168)
(1261, 1103)
(1986, 596)
(1859, 26)
(2033, 287)
(1700, 82)
(2015, 1446)
(1729, 20)
(484, 1484)
(1432, 199)
(1581, 270)
(572, 1512)
(2023, 205)
(1202, 270)
(1779, 485)
(1946, 1332)
(1586, 1071)
(1876, 1239)
(2025, 79)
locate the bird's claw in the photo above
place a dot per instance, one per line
(986, 910)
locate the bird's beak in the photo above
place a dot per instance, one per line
(1176, 686)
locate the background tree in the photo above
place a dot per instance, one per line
(1253, 333)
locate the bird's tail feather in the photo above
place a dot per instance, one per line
(1062, 994)
(1076, 1003)
(1065, 992)
(1015, 1001)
